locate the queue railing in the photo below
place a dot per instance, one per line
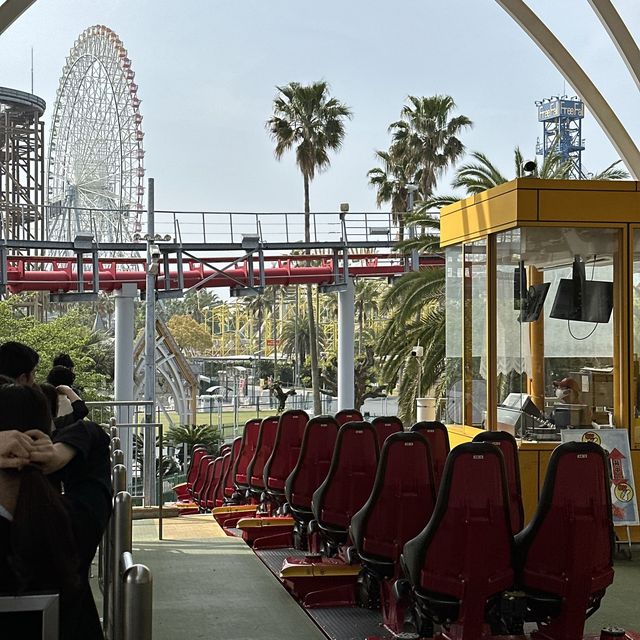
(127, 588)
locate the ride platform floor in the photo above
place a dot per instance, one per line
(209, 585)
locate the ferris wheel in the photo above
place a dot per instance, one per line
(96, 157)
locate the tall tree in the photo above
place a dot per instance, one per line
(306, 118)
(481, 174)
(426, 137)
(367, 304)
(391, 180)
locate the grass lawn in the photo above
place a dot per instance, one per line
(227, 419)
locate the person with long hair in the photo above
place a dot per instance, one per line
(47, 540)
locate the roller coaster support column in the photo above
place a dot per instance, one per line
(346, 351)
(123, 383)
(153, 258)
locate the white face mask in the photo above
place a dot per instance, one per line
(562, 393)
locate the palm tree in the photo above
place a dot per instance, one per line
(391, 180)
(306, 118)
(481, 174)
(295, 340)
(367, 296)
(416, 304)
(427, 138)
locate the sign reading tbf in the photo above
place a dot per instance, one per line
(560, 108)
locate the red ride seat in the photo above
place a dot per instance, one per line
(247, 449)
(348, 415)
(201, 477)
(184, 489)
(385, 426)
(312, 466)
(226, 488)
(218, 490)
(509, 448)
(461, 562)
(215, 469)
(198, 452)
(437, 436)
(264, 448)
(348, 483)
(286, 449)
(400, 504)
(564, 556)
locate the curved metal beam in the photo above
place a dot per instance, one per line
(618, 32)
(579, 80)
(11, 10)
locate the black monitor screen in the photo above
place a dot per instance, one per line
(593, 303)
(534, 302)
(597, 301)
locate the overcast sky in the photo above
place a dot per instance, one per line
(207, 72)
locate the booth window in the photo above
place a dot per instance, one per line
(554, 314)
(452, 384)
(474, 332)
(636, 330)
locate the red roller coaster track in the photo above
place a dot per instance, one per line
(59, 275)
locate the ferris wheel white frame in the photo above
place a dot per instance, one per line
(96, 156)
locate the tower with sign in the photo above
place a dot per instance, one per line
(561, 119)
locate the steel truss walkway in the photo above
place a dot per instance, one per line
(246, 261)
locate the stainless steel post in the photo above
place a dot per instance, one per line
(115, 444)
(138, 600)
(113, 428)
(117, 457)
(149, 484)
(346, 351)
(119, 478)
(121, 543)
(123, 383)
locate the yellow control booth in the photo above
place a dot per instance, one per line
(543, 315)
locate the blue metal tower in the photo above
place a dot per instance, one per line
(561, 119)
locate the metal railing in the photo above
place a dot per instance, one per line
(131, 418)
(127, 588)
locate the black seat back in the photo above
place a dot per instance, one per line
(401, 501)
(350, 478)
(437, 436)
(509, 448)
(347, 415)
(464, 554)
(316, 452)
(385, 426)
(286, 450)
(567, 548)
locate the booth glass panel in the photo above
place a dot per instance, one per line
(452, 408)
(557, 293)
(635, 373)
(475, 334)
(511, 376)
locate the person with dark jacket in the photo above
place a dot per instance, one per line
(70, 407)
(48, 540)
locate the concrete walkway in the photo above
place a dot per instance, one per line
(620, 604)
(207, 585)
